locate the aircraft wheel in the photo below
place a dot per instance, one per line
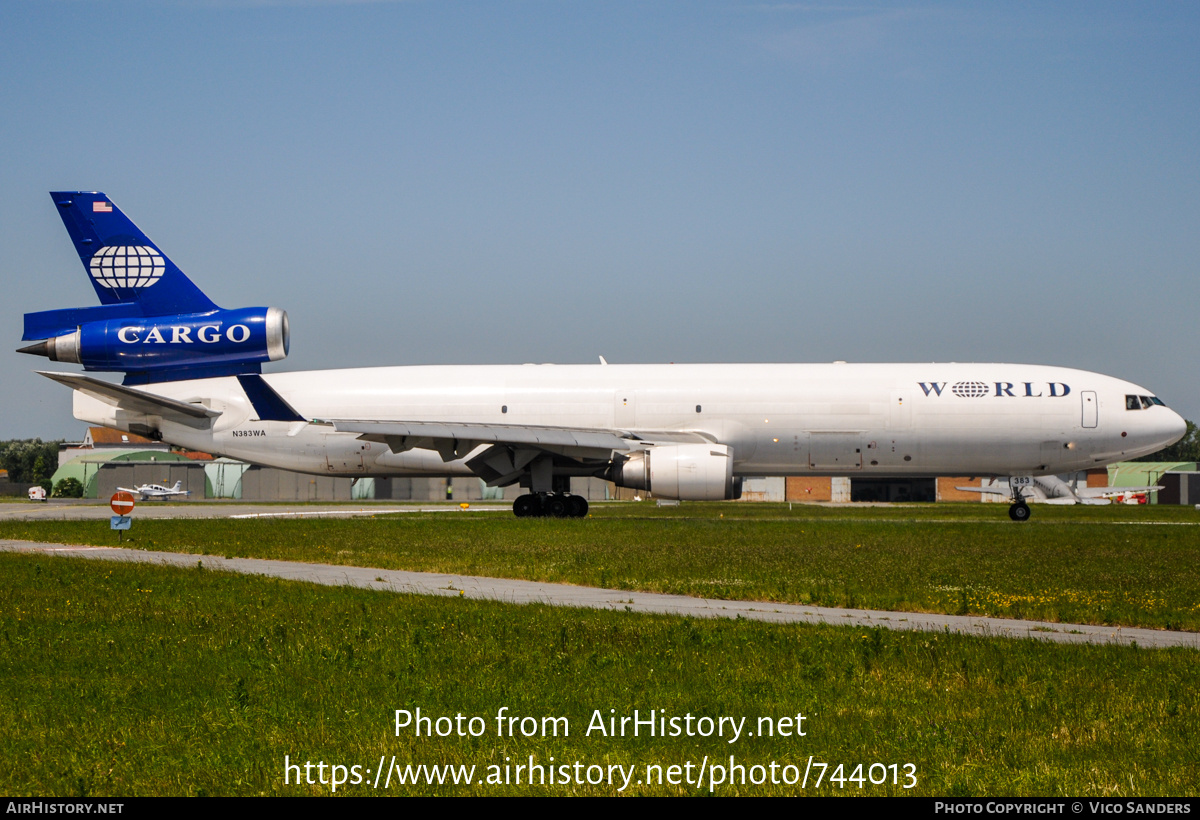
(527, 506)
(556, 505)
(1019, 512)
(577, 506)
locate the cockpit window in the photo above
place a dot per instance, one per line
(1146, 402)
(1132, 403)
(1158, 401)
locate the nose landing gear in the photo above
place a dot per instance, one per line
(1019, 511)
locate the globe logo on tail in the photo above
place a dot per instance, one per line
(127, 266)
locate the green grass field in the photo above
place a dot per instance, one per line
(123, 679)
(1127, 566)
(143, 680)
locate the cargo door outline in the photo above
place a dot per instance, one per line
(625, 409)
(834, 451)
(1091, 415)
(344, 454)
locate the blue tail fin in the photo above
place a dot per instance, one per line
(124, 266)
(152, 324)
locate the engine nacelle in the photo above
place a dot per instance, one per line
(690, 472)
(151, 345)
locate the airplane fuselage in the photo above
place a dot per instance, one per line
(778, 419)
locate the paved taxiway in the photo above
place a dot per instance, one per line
(527, 592)
(92, 510)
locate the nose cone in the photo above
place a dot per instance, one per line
(1164, 428)
(1174, 428)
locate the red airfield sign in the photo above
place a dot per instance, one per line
(122, 503)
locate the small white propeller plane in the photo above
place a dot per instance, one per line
(149, 491)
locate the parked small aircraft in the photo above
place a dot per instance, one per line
(149, 491)
(1050, 489)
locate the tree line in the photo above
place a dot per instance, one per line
(29, 461)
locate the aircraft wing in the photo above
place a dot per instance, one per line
(513, 446)
(407, 435)
(1113, 492)
(1027, 493)
(991, 490)
(461, 438)
(133, 400)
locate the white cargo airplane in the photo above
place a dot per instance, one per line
(685, 431)
(149, 491)
(1051, 489)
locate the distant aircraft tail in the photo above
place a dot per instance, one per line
(178, 486)
(153, 324)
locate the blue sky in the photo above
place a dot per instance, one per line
(456, 182)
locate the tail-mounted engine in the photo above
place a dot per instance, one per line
(166, 348)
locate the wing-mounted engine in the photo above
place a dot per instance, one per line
(690, 472)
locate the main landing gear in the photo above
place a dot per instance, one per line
(550, 505)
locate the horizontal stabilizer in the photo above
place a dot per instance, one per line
(135, 401)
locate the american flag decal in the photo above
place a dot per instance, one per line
(102, 207)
